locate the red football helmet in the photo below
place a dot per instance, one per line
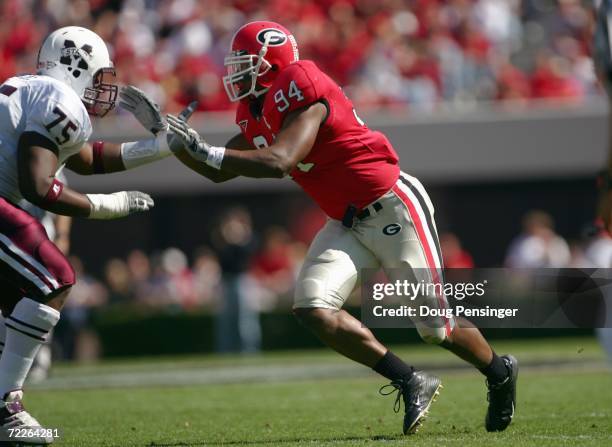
(259, 50)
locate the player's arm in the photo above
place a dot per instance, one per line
(103, 157)
(292, 144)
(216, 175)
(37, 164)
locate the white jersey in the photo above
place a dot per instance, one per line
(43, 105)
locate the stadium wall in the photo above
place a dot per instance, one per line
(488, 143)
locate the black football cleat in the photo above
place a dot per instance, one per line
(502, 398)
(418, 393)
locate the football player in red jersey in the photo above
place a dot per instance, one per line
(296, 121)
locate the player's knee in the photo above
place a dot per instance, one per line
(66, 276)
(308, 317)
(58, 298)
(315, 319)
(314, 291)
(57, 264)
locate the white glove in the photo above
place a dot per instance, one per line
(143, 108)
(174, 143)
(118, 204)
(194, 144)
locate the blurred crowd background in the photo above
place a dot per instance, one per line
(244, 273)
(418, 53)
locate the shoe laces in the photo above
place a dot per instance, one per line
(390, 388)
(15, 414)
(21, 419)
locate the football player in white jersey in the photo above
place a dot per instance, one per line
(45, 124)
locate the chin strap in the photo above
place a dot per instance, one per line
(260, 60)
(258, 93)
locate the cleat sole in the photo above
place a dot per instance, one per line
(417, 424)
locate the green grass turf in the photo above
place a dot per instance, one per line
(556, 407)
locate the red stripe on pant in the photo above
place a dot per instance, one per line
(418, 225)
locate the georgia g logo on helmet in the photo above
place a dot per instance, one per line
(275, 37)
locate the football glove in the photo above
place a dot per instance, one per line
(118, 204)
(174, 143)
(194, 144)
(145, 110)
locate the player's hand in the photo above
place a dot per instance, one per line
(138, 201)
(195, 145)
(144, 109)
(174, 143)
(119, 204)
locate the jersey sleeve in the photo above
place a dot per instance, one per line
(295, 88)
(58, 119)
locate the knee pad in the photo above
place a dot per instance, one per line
(57, 264)
(314, 293)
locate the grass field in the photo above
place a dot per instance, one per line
(564, 399)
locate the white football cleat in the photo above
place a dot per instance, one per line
(17, 425)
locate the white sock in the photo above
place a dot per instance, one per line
(27, 328)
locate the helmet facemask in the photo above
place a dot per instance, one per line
(100, 98)
(242, 72)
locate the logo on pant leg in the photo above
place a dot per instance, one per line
(392, 229)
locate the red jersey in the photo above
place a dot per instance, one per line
(348, 163)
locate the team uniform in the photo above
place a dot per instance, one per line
(29, 262)
(75, 79)
(378, 215)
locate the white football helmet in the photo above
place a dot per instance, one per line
(79, 57)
